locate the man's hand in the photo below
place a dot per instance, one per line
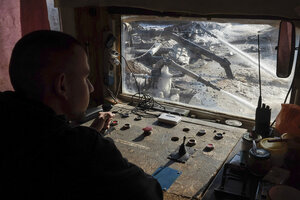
(102, 121)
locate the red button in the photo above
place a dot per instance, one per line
(147, 129)
(210, 146)
(114, 123)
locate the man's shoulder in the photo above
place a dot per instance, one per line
(6, 97)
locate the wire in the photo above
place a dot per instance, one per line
(128, 66)
(119, 86)
(111, 94)
(292, 84)
(145, 102)
(286, 97)
(146, 97)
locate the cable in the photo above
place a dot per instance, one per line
(111, 94)
(145, 102)
(286, 97)
(290, 89)
(137, 85)
(119, 86)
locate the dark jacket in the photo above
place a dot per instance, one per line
(42, 157)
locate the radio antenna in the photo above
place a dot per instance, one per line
(259, 77)
(263, 111)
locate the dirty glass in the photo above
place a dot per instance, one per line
(204, 64)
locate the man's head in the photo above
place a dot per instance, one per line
(52, 67)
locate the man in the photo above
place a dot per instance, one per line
(42, 156)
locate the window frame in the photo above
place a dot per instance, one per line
(199, 113)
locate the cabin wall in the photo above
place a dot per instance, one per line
(10, 32)
(91, 26)
(17, 18)
(34, 16)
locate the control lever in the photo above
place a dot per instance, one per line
(182, 150)
(182, 153)
(90, 114)
(93, 113)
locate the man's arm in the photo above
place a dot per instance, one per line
(122, 179)
(102, 122)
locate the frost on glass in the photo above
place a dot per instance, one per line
(210, 65)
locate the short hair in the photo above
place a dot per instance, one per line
(31, 55)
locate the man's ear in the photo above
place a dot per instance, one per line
(60, 86)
